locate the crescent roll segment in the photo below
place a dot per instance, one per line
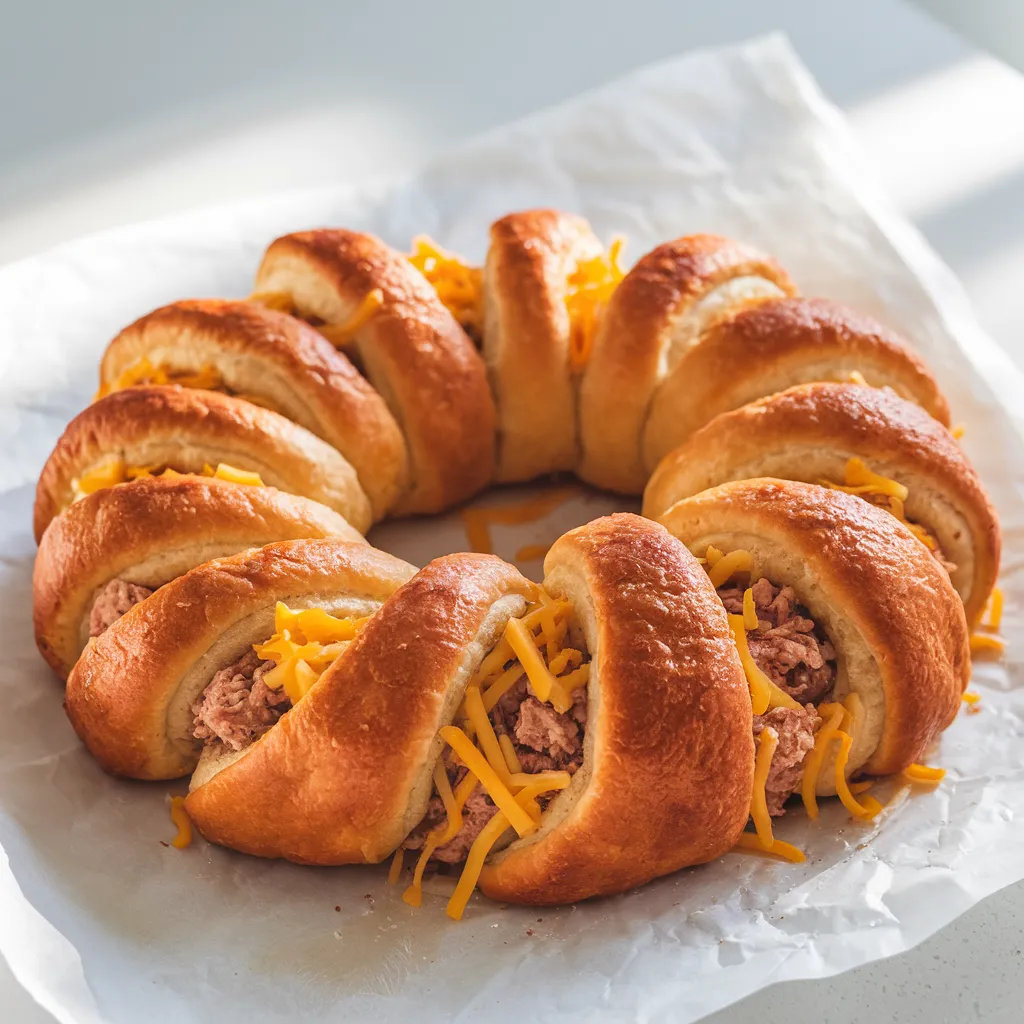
(809, 432)
(668, 751)
(527, 339)
(771, 346)
(412, 350)
(346, 775)
(185, 429)
(658, 312)
(281, 363)
(894, 619)
(148, 532)
(130, 695)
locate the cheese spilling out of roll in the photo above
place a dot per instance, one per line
(206, 377)
(519, 738)
(791, 668)
(113, 471)
(458, 284)
(588, 291)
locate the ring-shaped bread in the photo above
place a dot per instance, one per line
(153, 427)
(119, 542)
(770, 346)
(811, 431)
(887, 607)
(658, 311)
(276, 361)
(527, 338)
(410, 347)
(132, 693)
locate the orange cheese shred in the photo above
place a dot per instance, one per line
(588, 289)
(543, 682)
(458, 284)
(764, 693)
(815, 759)
(282, 301)
(752, 842)
(340, 335)
(395, 871)
(728, 565)
(766, 744)
(179, 816)
(749, 610)
(489, 835)
(970, 698)
(485, 735)
(923, 775)
(981, 643)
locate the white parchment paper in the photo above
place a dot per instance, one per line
(104, 924)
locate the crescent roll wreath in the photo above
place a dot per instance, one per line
(794, 624)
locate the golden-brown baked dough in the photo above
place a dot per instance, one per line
(148, 532)
(526, 341)
(346, 774)
(888, 607)
(668, 752)
(130, 695)
(412, 350)
(658, 312)
(185, 429)
(771, 346)
(281, 363)
(810, 431)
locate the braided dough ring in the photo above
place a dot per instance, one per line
(412, 351)
(896, 622)
(130, 695)
(148, 532)
(809, 432)
(186, 429)
(278, 362)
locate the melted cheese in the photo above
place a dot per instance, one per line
(207, 378)
(766, 744)
(305, 643)
(751, 841)
(284, 302)
(395, 871)
(478, 521)
(179, 816)
(588, 290)
(459, 285)
(981, 644)
(970, 698)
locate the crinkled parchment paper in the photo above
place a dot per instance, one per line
(103, 923)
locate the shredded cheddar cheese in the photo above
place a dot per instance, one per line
(305, 643)
(921, 774)
(180, 818)
(341, 335)
(459, 285)
(207, 378)
(531, 645)
(113, 471)
(995, 609)
(752, 841)
(478, 521)
(766, 744)
(958, 431)
(728, 565)
(970, 698)
(395, 871)
(283, 302)
(883, 492)
(588, 290)
(856, 377)
(833, 714)
(981, 643)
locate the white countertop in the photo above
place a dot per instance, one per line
(123, 111)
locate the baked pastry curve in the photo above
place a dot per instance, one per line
(865, 440)
(113, 548)
(135, 694)
(844, 602)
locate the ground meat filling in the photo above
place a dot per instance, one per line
(543, 739)
(237, 707)
(787, 645)
(795, 653)
(116, 598)
(795, 730)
